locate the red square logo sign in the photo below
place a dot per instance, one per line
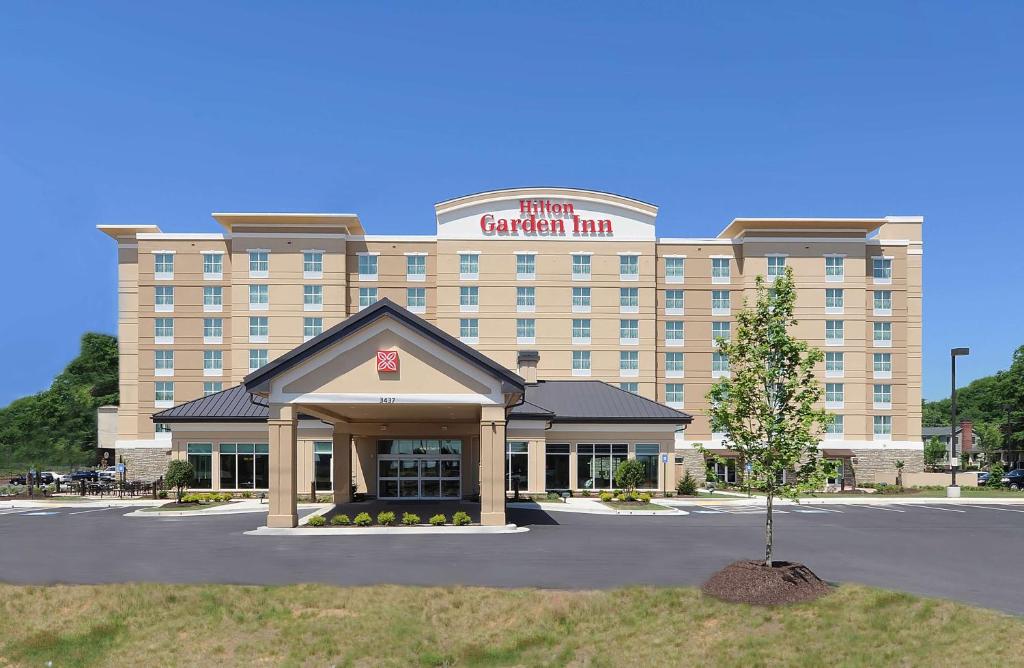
(387, 360)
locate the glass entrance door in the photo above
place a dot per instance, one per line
(419, 469)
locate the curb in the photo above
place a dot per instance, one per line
(597, 511)
(418, 530)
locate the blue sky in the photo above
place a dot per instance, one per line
(163, 112)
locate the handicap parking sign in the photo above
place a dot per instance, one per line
(120, 468)
(664, 458)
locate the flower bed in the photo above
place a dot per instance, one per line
(387, 518)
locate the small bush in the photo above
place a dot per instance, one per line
(644, 498)
(461, 519)
(410, 519)
(438, 520)
(363, 520)
(386, 518)
(687, 485)
(554, 496)
(162, 494)
(606, 496)
(341, 520)
(246, 495)
(316, 521)
(585, 493)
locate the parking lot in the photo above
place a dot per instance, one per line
(965, 552)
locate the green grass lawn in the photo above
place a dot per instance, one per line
(319, 625)
(972, 492)
(172, 506)
(620, 505)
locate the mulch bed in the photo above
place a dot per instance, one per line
(753, 582)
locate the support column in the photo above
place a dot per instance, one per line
(492, 465)
(341, 463)
(283, 433)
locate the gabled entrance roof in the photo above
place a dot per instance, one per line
(259, 381)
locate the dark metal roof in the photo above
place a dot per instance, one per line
(232, 405)
(937, 431)
(593, 401)
(256, 381)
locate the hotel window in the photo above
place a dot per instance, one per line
(882, 427)
(163, 362)
(882, 365)
(834, 332)
(469, 330)
(629, 363)
(596, 464)
(835, 270)
(719, 365)
(725, 471)
(581, 362)
(581, 300)
(881, 396)
(213, 362)
(629, 267)
(834, 395)
(674, 395)
(213, 330)
(675, 269)
(469, 299)
(312, 327)
(212, 387)
(580, 330)
(629, 332)
(367, 297)
(416, 299)
(526, 331)
(163, 266)
(629, 300)
(258, 357)
(323, 454)
(416, 267)
(776, 266)
(367, 266)
(675, 302)
(721, 302)
(632, 387)
(720, 269)
(213, 299)
(674, 365)
(312, 297)
(259, 263)
(163, 330)
(835, 428)
(259, 297)
(526, 266)
(833, 300)
(674, 333)
(882, 302)
(259, 329)
(517, 465)
(163, 393)
(580, 267)
(648, 455)
(213, 266)
(200, 456)
(163, 299)
(834, 365)
(526, 300)
(556, 466)
(312, 264)
(469, 266)
(882, 334)
(881, 270)
(244, 466)
(719, 330)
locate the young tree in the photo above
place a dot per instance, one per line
(179, 475)
(990, 440)
(934, 452)
(766, 407)
(899, 473)
(629, 475)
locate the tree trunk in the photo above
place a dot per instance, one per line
(768, 533)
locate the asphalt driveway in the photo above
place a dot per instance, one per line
(961, 552)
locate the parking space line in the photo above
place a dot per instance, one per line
(1007, 510)
(948, 510)
(874, 507)
(93, 510)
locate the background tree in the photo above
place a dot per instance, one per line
(934, 452)
(179, 475)
(630, 474)
(990, 440)
(767, 406)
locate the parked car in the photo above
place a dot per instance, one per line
(1015, 479)
(43, 478)
(58, 477)
(19, 480)
(983, 477)
(83, 474)
(109, 473)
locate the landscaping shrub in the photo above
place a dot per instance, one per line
(316, 521)
(461, 519)
(363, 520)
(179, 475)
(246, 495)
(342, 520)
(554, 496)
(630, 474)
(606, 496)
(996, 473)
(644, 498)
(162, 494)
(585, 493)
(410, 519)
(386, 518)
(687, 485)
(438, 520)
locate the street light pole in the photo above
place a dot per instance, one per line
(953, 490)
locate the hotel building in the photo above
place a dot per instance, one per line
(556, 284)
